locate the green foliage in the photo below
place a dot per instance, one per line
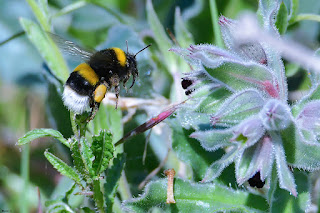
(195, 197)
(40, 133)
(215, 136)
(62, 167)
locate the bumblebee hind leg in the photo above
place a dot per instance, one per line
(117, 91)
(94, 111)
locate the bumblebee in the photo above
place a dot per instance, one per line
(103, 70)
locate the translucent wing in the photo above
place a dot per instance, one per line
(71, 49)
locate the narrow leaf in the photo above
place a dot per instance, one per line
(286, 179)
(98, 196)
(40, 133)
(47, 48)
(112, 181)
(62, 167)
(283, 202)
(282, 19)
(218, 166)
(184, 37)
(189, 150)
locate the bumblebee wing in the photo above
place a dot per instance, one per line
(70, 48)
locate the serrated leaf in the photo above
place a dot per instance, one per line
(87, 156)
(103, 151)
(284, 202)
(282, 19)
(189, 150)
(47, 48)
(77, 159)
(195, 197)
(62, 167)
(112, 180)
(40, 133)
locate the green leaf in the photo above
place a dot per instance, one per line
(236, 75)
(98, 196)
(294, 11)
(77, 160)
(47, 48)
(87, 156)
(300, 154)
(160, 36)
(103, 150)
(190, 151)
(282, 201)
(196, 197)
(282, 19)
(62, 167)
(40, 133)
(112, 181)
(41, 12)
(292, 69)
(184, 37)
(108, 118)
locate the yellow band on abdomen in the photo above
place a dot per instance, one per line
(121, 56)
(87, 73)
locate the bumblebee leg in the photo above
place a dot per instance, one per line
(134, 76)
(117, 90)
(125, 80)
(94, 111)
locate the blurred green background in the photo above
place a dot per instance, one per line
(29, 99)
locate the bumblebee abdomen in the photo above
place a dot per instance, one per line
(83, 80)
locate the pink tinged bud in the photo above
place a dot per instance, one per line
(249, 51)
(309, 117)
(275, 115)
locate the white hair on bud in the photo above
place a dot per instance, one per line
(75, 102)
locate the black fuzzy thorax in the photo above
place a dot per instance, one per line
(105, 63)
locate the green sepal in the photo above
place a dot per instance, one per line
(282, 19)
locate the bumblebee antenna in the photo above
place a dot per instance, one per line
(127, 46)
(142, 50)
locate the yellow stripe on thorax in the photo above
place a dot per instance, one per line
(121, 56)
(87, 73)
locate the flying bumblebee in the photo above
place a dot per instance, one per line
(102, 70)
